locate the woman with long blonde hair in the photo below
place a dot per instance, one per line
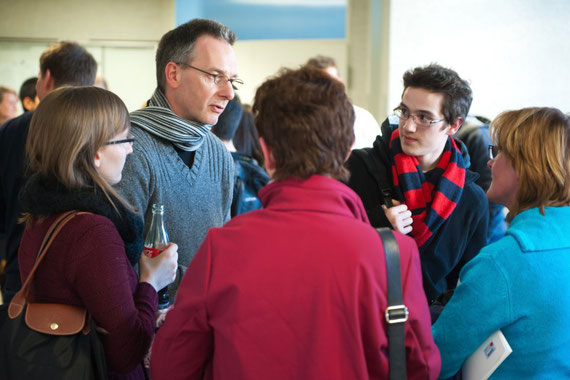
(519, 284)
(77, 145)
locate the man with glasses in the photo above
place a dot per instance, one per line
(415, 177)
(176, 160)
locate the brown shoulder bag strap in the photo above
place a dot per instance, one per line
(20, 299)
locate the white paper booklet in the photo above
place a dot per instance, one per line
(485, 360)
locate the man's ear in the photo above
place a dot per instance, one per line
(268, 156)
(48, 82)
(172, 74)
(454, 127)
(29, 104)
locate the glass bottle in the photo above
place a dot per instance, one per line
(155, 242)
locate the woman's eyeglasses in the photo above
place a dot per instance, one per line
(130, 140)
(493, 151)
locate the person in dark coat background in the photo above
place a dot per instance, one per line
(249, 176)
(64, 63)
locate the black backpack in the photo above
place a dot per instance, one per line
(249, 179)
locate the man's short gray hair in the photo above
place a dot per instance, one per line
(178, 44)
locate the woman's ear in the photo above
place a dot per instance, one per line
(97, 160)
(268, 156)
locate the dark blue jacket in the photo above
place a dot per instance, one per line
(13, 135)
(249, 179)
(477, 140)
(456, 242)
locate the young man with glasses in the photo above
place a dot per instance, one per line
(415, 177)
(176, 160)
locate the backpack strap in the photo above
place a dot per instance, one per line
(396, 313)
(375, 167)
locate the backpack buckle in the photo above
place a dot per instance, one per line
(396, 314)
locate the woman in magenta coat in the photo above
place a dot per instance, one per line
(296, 290)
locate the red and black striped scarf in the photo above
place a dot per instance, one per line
(431, 200)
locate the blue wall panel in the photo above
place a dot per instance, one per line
(269, 21)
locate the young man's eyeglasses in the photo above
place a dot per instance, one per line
(219, 79)
(130, 140)
(493, 151)
(420, 120)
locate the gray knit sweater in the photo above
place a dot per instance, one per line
(194, 199)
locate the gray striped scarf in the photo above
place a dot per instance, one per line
(157, 118)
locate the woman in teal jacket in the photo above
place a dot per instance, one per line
(521, 283)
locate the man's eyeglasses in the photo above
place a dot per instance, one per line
(130, 140)
(420, 120)
(219, 79)
(493, 151)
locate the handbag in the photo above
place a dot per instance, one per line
(396, 313)
(48, 340)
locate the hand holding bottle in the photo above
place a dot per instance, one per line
(159, 271)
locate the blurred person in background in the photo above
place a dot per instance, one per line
(366, 127)
(62, 64)
(101, 82)
(249, 176)
(519, 284)
(246, 138)
(8, 104)
(296, 290)
(475, 135)
(28, 95)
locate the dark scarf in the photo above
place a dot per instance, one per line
(157, 118)
(431, 200)
(46, 196)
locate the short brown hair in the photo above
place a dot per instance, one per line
(537, 142)
(307, 120)
(69, 64)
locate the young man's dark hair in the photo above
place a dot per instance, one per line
(319, 119)
(178, 44)
(28, 90)
(435, 78)
(69, 64)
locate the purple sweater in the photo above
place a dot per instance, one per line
(87, 266)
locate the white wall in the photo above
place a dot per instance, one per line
(515, 53)
(258, 60)
(121, 35)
